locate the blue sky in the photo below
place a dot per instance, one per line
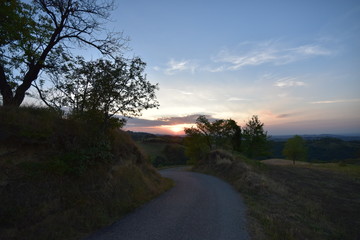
(295, 64)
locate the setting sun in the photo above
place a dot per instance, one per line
(177, 128)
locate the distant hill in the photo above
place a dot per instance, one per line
(344, 137)
(321, 147)
(140, 136)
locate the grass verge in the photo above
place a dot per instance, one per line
(59, 182)
(293, 202)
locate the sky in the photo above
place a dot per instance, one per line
(294, 63)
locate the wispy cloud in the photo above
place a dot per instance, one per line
(174, 66)
(236, 99)
(289, 82)
(185, 93)
(180, 91)
(311, 50)
(266, 52)
(285, 115)
(336, 101)
(248, 54)
(163, 121)
(238, 61)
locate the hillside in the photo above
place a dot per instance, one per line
(317, 202)
(162, 150)
(60, 180)
(324, 149)
(321, 148)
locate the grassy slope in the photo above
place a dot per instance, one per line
(152, 149)
(44, 195)
(156, 147)
(294, 202)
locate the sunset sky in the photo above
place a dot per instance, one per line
(295, 64)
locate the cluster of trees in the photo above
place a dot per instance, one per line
(36, 43)
(172, 154)
(252, 139)
(324, 149)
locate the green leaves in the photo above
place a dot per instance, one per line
(40, 37)
(211, 135)
(255, 142)
(104, 87)
(295, 149)
(226, 134)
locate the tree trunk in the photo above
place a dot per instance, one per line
(15, 100)
(5, 89)
(11, 100)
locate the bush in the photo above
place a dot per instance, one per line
(70, 181)
(175, 154)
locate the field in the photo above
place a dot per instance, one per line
(301, 201)
(161, 150)
(152, 149)
(316, 202)
(348, 169)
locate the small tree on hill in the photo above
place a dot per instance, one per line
(255, 139)
(102, 88)
(295, 149)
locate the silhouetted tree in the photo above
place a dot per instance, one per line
(41, 38)
(210, 135)
(15, 21)
(295, 149)
(106, 87)
(219, 133)
(175, 154)
(255, 139)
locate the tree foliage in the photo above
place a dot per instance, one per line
(106, 87)
(41, 38)
(295, 149)
(208, 135)
(15, 21)
(218, 133)
(252, 139)
(175, 154)
(255, 139)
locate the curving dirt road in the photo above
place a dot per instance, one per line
(198, 207)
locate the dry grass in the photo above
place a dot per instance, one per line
(52, 187)
(296, 202)
(351, 170)
(283, 162)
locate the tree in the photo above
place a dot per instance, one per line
(106, 87)
(207, 136)
(175, 154)
(219, 133)
(295, 149)
(196, 146)
(255, 139)
(49, 28)
(15, 21)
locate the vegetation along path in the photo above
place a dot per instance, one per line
(198, 207)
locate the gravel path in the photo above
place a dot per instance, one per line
(198, 207)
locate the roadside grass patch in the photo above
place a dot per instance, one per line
(295, 202)
(59, 181)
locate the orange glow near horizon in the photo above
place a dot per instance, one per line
(177, 128)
